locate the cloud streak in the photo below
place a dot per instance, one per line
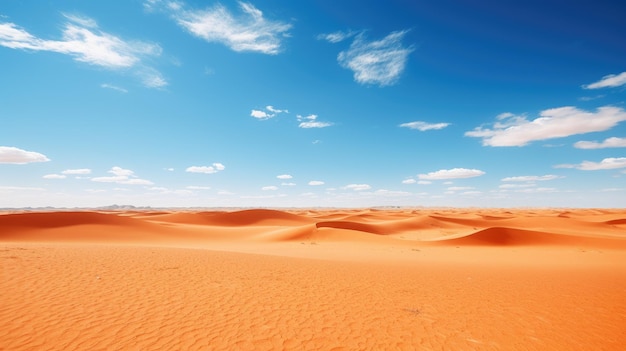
(531, 178)
(270, 112)
(13, 155)
(311, 121)
(512, 130)
(379, 62)
(607, 143)
(249, 31)
(424, 126)
(122, 176)
(216, 167)
(85, 42)
(607, 163)
(609, 81)
(454, 173)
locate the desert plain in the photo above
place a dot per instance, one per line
(314, 279)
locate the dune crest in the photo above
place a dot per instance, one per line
(452, 227)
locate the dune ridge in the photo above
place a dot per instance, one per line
(529, 227)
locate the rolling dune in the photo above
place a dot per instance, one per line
(309, 279)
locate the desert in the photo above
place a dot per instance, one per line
(329, 279)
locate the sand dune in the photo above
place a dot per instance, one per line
(337, 279)
(453, 227)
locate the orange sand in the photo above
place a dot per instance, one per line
(445, 279)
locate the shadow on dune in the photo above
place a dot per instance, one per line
(503, 236)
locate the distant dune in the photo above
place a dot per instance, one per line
(341, 279)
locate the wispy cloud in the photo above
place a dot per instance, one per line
(609, 81)
(316, 182)
(424, 126)
(85, 42)
(284, 176)
(336, 37)
(79, 171)
(122, 176)
(512, 130)
(10, 154)
(269, 188)
(249, 31)
(54, 176)
(357, 187)
(269, 112)
(531, 178)
(113, 87)
(607, 163)
(454, 173)
(379, 62)
(607, 143)
(216, 167)
(311, 121)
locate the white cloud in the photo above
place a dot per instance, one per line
(409, 181)
(151, 78)
(54, 176)
(216, 167)
(553, 123)
(311, 121)
(607, 163)
(609, 81)
(589, 98)
(357, 187)
(336, 37)
(284, 176)
(288, 184)
(271, 112)
(122, 176)
(316, 182)
(82, 40)
(81, 171)
(531, 178)
(248, 32)
(96, 48)
(270, 188)
(424, 182)
(81, 20)
(378, 62)
(609, 142)
(260, 114)
(275, 110)
(424, 126)
(121, 172)
(9, 154)
(454, 173)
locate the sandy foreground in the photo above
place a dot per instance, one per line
(406, 279)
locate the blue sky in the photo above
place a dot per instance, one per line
(313, 103)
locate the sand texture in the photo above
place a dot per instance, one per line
(366, 279)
